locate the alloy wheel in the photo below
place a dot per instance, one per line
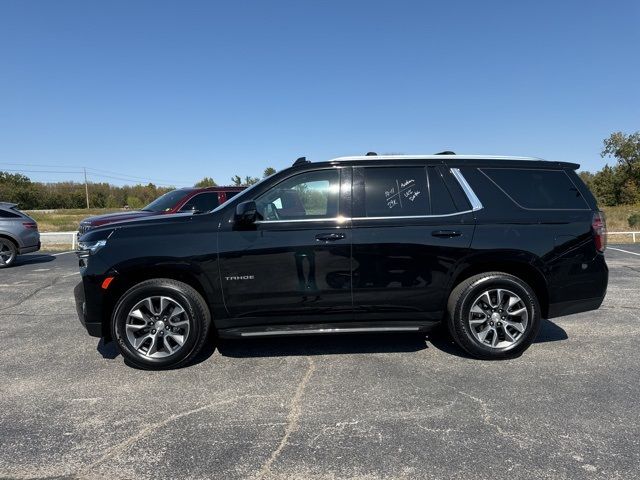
(157, 327)
(498, 318)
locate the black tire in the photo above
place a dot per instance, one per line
(464, 296)
(196, 313)
(9, 252)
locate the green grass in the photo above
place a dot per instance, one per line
(618, 217)
(65, 220)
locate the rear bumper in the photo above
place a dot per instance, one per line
(574, 306)
(33, 248)
(93, 327)
(581, 292)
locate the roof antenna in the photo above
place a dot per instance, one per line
(446, 152)
(371, 154)
(300, 161)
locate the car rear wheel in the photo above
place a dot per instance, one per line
(8, 252)
(493, 315)
(161, 324)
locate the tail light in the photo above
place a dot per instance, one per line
(30, 225)
(599, 226)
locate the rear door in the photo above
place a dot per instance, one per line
(411, 225)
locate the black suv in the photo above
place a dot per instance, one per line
(488, 245)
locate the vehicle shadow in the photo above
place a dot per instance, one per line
(33, 259)
(440, 338)
(351, 343)
(107, 350)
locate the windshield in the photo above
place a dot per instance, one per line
(241, 194)
(167, 201)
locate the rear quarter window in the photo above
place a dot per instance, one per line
(8, 214)
(538, 189)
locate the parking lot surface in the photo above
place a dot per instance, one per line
(356, 406)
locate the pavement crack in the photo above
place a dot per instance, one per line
(295, 410)
(486, 418)
(636, 270)
(111, 452)
(32, 294)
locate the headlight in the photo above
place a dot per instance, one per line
(89, 248)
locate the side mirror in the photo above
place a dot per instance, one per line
(246, 213)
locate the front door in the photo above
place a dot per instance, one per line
(297, 260)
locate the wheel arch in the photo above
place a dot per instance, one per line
(517, 267)
(124, 281)
(11, 239)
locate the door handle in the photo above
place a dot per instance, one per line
(329, 237)
(446, 233)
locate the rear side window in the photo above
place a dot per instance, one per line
(538, 189)
(396, 192)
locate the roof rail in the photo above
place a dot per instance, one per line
(300, 161)
(446, 152)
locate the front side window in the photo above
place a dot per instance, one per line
(538, 189)
(308, 195)
(396, 192)
(203, 202)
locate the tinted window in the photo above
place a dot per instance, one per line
(167, 201)
(6, 214)
(203, 202)
(538, 188)
(304, 196)
(441, 201)
(395, 191)
(231, 194)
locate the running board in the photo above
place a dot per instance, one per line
(273, 331)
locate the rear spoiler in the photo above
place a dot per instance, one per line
(8, 205)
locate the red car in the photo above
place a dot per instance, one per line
(194, 200)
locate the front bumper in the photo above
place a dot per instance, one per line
(94, 327)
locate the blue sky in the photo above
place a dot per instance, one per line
(174, 91)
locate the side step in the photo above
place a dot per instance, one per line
(287, 330)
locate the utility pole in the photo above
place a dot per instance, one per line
(86, 187)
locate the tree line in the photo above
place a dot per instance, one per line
(29, 195)
(617, 184)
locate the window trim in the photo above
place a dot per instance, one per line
(474, 201)
(481, 170)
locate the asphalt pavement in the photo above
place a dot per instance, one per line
(393, 406)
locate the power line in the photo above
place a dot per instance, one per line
(123, 177)
(41, 171)
(90, 169)
(141, 179)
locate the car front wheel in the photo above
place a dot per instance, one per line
(493, 315)
(160, 323)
